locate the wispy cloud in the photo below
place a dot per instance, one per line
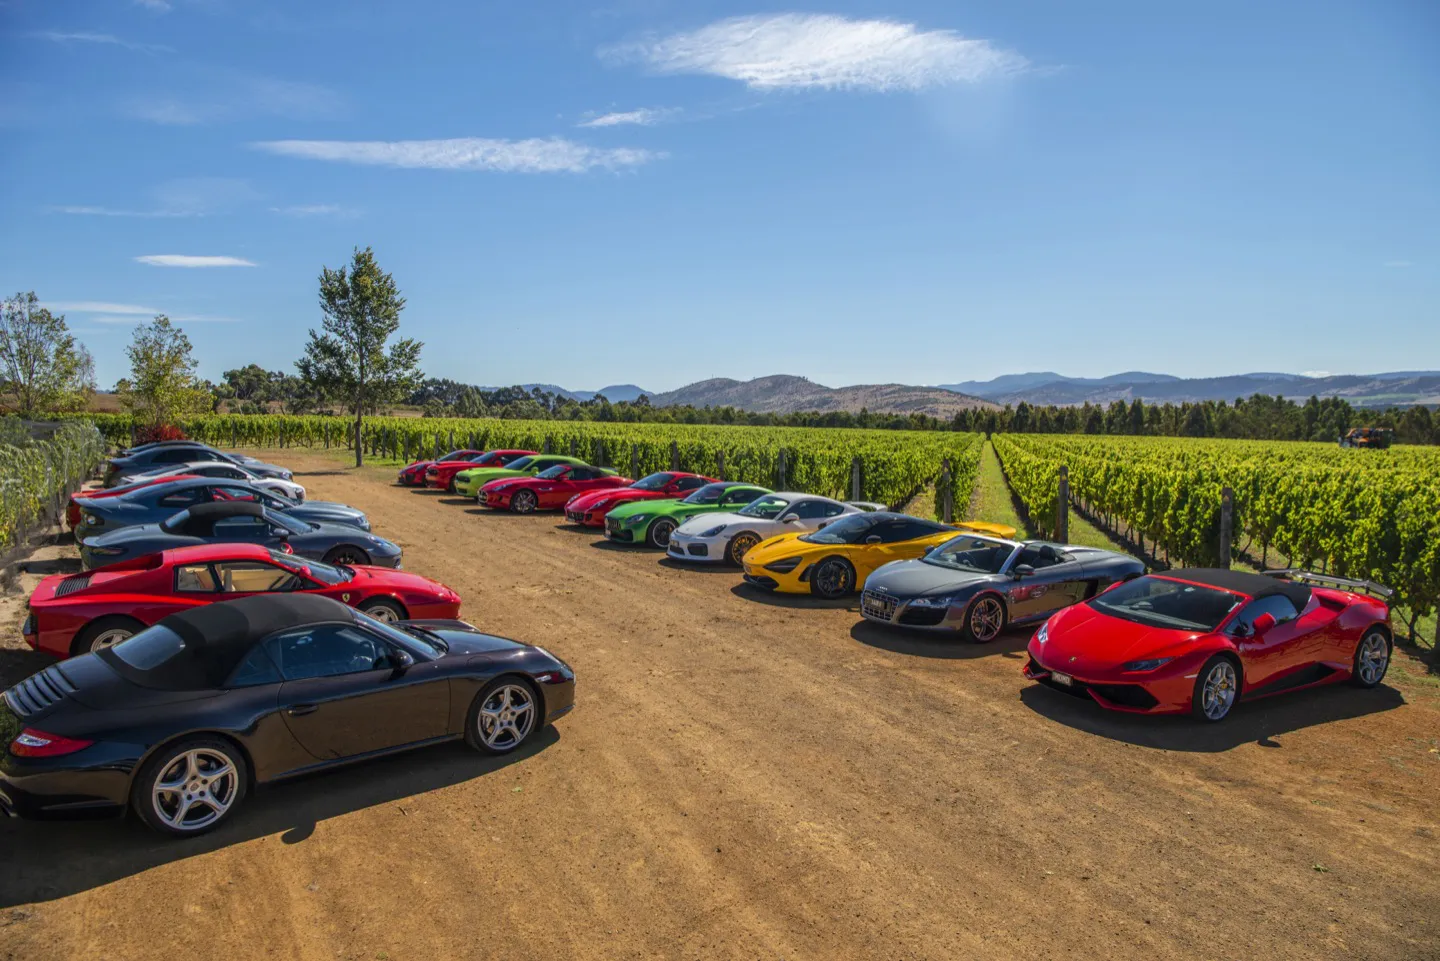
(186, 197)
(237, 98)
(316, 210)
(102, 307)
(1399, 263)
(159, 6)
(552, 155)
(112, 314)
(795, 50)
(105, 39)
(191, 260)
(644, 117)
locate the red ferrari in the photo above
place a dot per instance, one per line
(74, 508)
(441, 474)
(71, 614)
(549, 489)
(1200, 640)
(589, 509)
(413, 474)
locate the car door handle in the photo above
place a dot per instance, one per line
(301, 709)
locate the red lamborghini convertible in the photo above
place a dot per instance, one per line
(441, 474)
(1200, 640)
(589, 509)
(549, 489)
(74, 508)
(75, 613)
(413, 474)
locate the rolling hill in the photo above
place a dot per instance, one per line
(784, 394)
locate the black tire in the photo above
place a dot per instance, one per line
(1217, 665)
(524, 502)
(659, 531)
(170, 762)
(1366, 679)
(739, 544)
(475, 733)
(450, 487)
(832, 578)
(102, 632)
(346, 554)
(383, 609)
(983, 622)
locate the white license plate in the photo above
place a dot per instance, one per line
(1059, 678)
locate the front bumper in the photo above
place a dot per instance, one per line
(794, 581)
(619, 533)
(905, 612)
(690, 547)
(586, 518)
(495, 500)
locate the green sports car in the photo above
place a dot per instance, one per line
(469, 482)
(650, 522)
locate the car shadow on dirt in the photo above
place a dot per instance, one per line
(605, 544)
(427, 491)
(1250, 722)
(949, 646)
(723, 568)
(456, 500)
(16, 664)
(55, 859)
(799, 602)
(54, 565)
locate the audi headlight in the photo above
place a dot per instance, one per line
(784, 566)
(930, 602)
(713, 531)
(1149, 664)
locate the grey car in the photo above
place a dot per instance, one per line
(142, 459)
(150, 505)
(240, 522)
(975, 585)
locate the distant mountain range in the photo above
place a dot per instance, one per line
(785, 394)
(615, 393)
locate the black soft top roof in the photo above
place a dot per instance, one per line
(217, 637)
(1244, 582)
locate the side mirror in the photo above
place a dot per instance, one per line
(789, 519)
(1022, 570)
(400, 662)
(873, 539)
(1263, 623)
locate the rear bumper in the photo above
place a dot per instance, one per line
(95, 781)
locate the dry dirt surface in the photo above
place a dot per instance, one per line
(748, 776)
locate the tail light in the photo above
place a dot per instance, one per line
(36, 743)
(285, 547)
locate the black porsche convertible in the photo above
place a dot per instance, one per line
(180, 721)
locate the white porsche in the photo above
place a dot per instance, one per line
(717, 538)
(209, 468)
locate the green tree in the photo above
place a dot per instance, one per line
(349, 361)
(163, 385)
(41, 363)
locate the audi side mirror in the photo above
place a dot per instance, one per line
(1022, 570)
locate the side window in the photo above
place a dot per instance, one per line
(242, 526)
(256, 669)
(1276, 605)
(195, 579)
(833, 510)
(582, 473)
(174, 456)
(1038, 557)
(507, 458)
(812, 510)
(740, 496)
(326, 650)
(892, 532)
(224, 492)
(689, 483)
(203, 455)
(247, 577)
(184, 497)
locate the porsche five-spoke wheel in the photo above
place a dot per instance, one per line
(739, 545)
(346, 554)
(832, 578)
(1216, 689)
(384, 611)
(1372, 659)
(105, 632)
(659, 533)
(523, 502)
(985, 619)
(503, 716)
(191, 787)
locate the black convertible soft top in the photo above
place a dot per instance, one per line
(1244, 582)
(217, 637)
(198, 521)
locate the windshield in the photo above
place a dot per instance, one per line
(652, 482)
(847, 530)
(150, 648)
(709, 494)
(977, 554)
(522, 463)
(1165, 603)
(415, 639)
(292, 524)
(766, 507)
(456, 455)
(324, 573)
(554, 473)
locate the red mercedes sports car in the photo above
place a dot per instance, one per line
(74, 508)
(441, 474)
(1199, 640)
(549, 489)
(590, 508)
(413, 474)
(75, 613)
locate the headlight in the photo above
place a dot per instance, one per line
(784, 566)
(92, 520)
(1146, 665)
(599, 505)
(637, 519)
(713, 531)
(1043, 635)
(364, 523)
(930, 602)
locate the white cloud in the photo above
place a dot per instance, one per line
(101, 307)
(105, 39)
(552, 155)
(191, 260)
(1315, 373)
(821, 50)
(104, 312)
(316, 210)
(644, 117)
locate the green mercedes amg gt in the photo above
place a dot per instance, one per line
(469, 482)
(650, 522)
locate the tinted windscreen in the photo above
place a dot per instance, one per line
(709, 494)
(766, 507)
(847, 530)
(521, 464)
(1165, 603)
(652, 482)
(150, 648)
(324, 573)
(974, 554)
(551, 473)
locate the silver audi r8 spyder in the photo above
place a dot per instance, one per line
(975, 585)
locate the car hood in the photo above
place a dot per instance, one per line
(703, 522)
(1082, 637)
(786, 545)
(615, 495)
(129, 535)
(918, 578)
(318, 508)
(418, 465)
(660, 505)
(390, 578)
(465, 640)
(485, 474)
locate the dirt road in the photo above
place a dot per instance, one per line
(756, 777)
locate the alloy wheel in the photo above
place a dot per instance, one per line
(832, 578)
(195, 789)
(1374, 657)
(523, 502)
(985, 619)
(383, 613)
(507, 717)
(1218, 694)
(740, 545)
(111, 637)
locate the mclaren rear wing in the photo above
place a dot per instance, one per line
(1327, 580)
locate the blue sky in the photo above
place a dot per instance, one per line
(659, 192)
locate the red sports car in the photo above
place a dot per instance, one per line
(549, 489)
(590, 508)
(441, 474)
(75, 613)
(1199, 640)
(74, 508)
(413, 474)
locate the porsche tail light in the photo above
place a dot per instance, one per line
(33, 742)
(285, 546)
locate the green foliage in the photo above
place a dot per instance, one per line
(163, 386)
(35, 477)
(41, 363)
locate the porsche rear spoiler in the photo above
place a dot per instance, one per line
(1327, 580)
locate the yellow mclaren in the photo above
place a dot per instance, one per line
(836, 560)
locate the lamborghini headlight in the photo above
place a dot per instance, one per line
(1146, 665)
(1043, 635)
